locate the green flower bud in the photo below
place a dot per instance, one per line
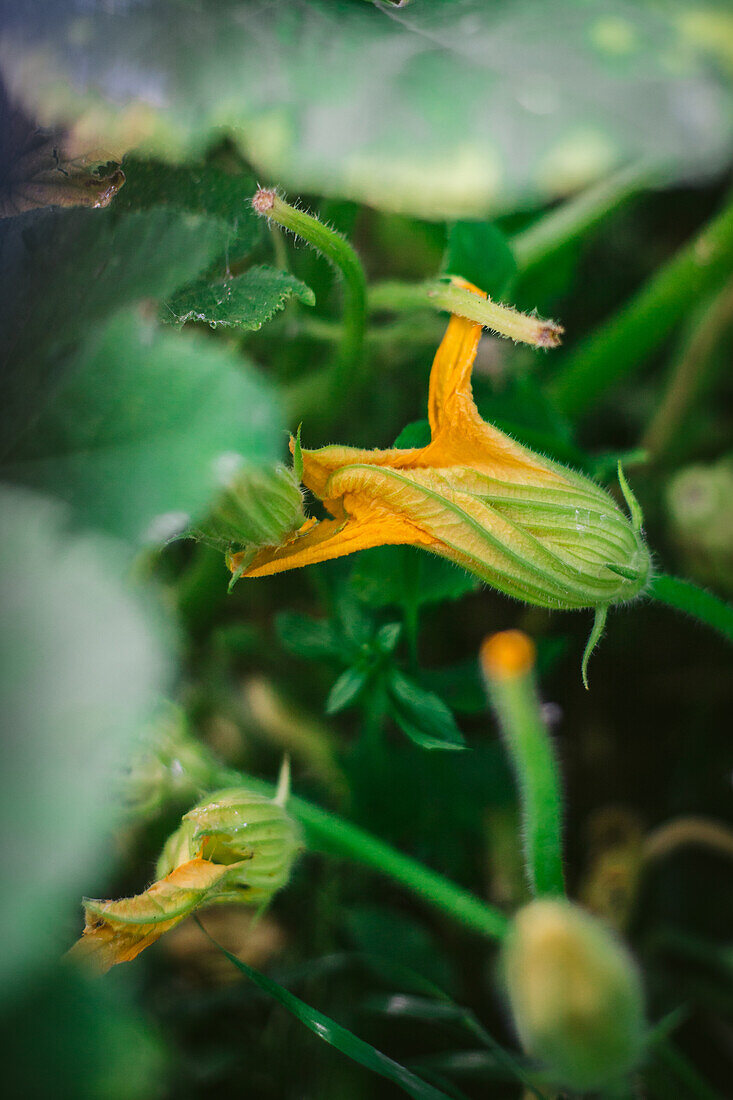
(237, 826)
(700, 508)
(234, 846)
(258, 507)
(575, 994)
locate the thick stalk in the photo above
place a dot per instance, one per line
(622, 345)
(331, 835)
(507, 661)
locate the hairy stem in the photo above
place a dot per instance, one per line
(339, 252)
(507, 660)
(331, 835)
(695, 601)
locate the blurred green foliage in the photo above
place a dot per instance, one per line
(149, 346)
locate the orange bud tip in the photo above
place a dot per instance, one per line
(263, 201)
(507, 655)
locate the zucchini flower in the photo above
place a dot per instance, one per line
(522, 523)
(235, 846)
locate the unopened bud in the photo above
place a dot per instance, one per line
(236, 845)
(700, 507)
(257, 507)
(237, 826)
(575, 994)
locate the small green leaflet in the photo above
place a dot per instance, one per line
(245, 301)
(336, 1035)
(422, 715)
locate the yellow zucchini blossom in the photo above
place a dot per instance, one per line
(526, 525)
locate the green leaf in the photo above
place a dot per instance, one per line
(416, 434)
(440, 109)
(244, 301)
(388, 636)
(479, 252)
(196, 189)
(406, 577)
(346, 689)
(337, 1036)
(312, 639)
(63, 271)
(422, 716)
(135, 436)
(82, 663)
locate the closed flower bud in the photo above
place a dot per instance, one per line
(236, 845)
(237, 826)
(257, 507)
(700, 507)
(575, 994)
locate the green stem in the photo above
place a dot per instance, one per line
(688, 371)
(513, 694)
(452, 298)
(576, 216)
(339, 252)
(621, 346)
(693, 600)
(331, 835)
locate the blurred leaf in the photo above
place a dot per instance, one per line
(62, 271)
(337, 1036)
(388, 636)
(479, 252)
(406, 577)
(422, 716)
(132, 436)
(197, 189)
(244, 301)
(460, 685)
(75, 1036)
(312, 639)
(81, 666)
(346, 689)
(441, 109)
(383, 933)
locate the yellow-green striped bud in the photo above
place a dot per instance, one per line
(237, 826)
(575, 994)
(257, 507)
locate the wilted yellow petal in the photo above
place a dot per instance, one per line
(117, 931)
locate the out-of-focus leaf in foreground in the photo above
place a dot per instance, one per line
(444, 107)
(138, 436)
(81, 666)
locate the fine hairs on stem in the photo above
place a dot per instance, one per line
(337, 250)
(507, 663)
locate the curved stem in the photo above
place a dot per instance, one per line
(621, 346)
(687, 373)
(331, 835)
(688, 597)
(339, 252)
